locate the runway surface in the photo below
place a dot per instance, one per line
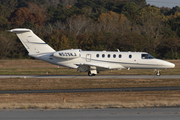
(93, 114)
(95, 77)
(92, 90)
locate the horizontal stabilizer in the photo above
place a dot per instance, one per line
(19, 30)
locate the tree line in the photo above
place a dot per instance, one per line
(127, 25)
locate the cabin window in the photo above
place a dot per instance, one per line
(147, 56)
(103, 55)
(130, 56)
(114, 56)
(109, 55)
(97, 55)
(120, 56)
(60, 54)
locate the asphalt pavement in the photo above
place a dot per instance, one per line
(95, 77)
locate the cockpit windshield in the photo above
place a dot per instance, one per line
(147, 56)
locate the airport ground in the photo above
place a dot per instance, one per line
(38, 67)
(80, 100)
(92, 114)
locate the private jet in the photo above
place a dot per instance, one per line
(88, 61)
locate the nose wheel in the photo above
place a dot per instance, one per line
(158, 73)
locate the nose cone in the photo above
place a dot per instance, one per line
(165, 64)
(170, 65)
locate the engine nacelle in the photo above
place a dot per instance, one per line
(67, 54)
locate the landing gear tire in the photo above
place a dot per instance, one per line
(158, 73)
(89, 73)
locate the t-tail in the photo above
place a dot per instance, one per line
(32, 42)
(37, 48)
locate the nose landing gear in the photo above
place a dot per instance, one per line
(158, 73)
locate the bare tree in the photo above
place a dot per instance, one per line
(151, 22)
(7, 44)
(68, 2)
(77, 24)
(113, 22)
(58, 25)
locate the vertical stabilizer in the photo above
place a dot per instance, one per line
(32, 42)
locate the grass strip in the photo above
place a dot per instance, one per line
(144, 99)
(62, 83)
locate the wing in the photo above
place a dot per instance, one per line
(99, 67)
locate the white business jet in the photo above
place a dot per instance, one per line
(88, 61)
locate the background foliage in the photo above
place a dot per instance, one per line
(129, 25)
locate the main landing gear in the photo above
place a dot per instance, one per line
(92, 71)
(91, 74)
(158, 73)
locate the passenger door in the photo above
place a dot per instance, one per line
(88, 57)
